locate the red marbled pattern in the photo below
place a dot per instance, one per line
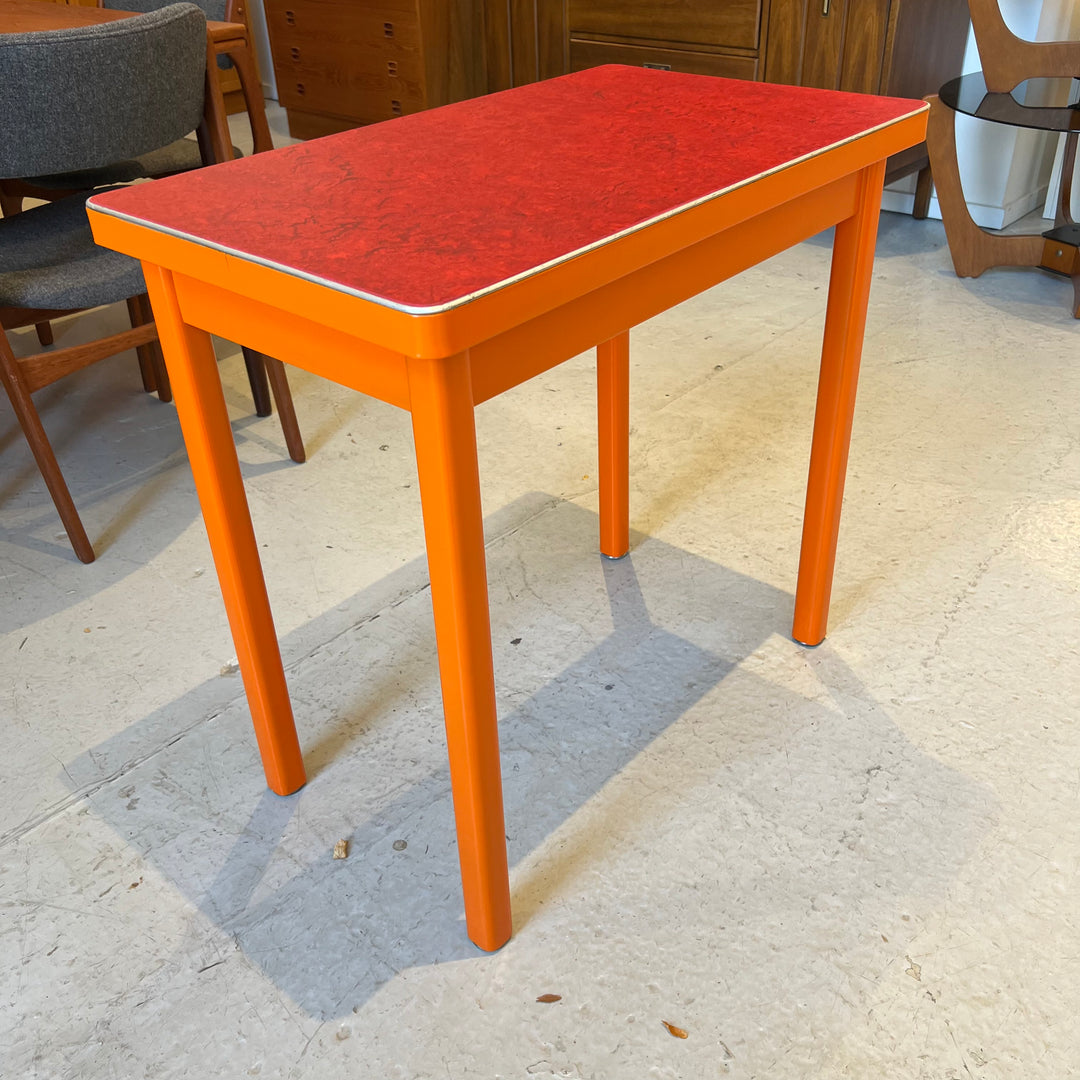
(434, 207)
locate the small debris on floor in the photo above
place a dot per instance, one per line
(915, 971)
(229, 667)
(547, 999)
(676, 1031)
(341, 849)
(400, 845)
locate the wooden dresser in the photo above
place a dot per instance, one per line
(719, 38)
(343, 63)
(340, 63)
(901, 48)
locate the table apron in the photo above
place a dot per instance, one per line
(304, 343)
(543, 342)
(527, 350)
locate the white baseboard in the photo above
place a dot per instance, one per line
(988, 217)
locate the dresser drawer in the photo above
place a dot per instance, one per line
(731, 23)
(363, 99)
(351, 31)
(586, 54)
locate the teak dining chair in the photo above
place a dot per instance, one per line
(112, 92)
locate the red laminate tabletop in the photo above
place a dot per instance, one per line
(431, 210)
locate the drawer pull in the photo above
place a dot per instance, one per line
(388, 29)
(300, 89)
(395, 106)
(391, 67)
(290, 17)
(825, 6)
(294, 53)
(658, 67)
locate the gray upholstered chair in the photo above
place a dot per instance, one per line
(181, 155)
(81, 99)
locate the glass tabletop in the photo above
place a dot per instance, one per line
(1045, 104)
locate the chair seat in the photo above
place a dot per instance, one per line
(49, 261)
(177, 157)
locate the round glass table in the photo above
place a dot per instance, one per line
(1037, 104)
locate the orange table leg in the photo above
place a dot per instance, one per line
(845, 324)
(613, 408)
(445, 435)
(200, 404)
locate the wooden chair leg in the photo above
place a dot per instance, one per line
(44, 332)
(23, 406)
(146, 362)
(260, 388)
(924, 188)
(279, 383)
(253, 97)
(144, 313)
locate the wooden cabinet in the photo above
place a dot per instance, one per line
(902, 48)
(343, 63)
(682, 35)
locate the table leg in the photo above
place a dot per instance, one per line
(200, 404)
(445, 435)
(613, 438)
(845, 323)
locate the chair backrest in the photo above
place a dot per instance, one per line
(1008, 60)
(82, 98)
(214, 10)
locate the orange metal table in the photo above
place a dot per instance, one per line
(438, 260)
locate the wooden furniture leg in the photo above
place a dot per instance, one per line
(279, 384)
(256, 373)
(146, 367)
(445, 435)
(924, 188)
(200, 405)
(22, 404)
(151, 362)
(613, 440)
(845, 323)
(217, 121)
(972, 249)
(266, 374)
(239, 52)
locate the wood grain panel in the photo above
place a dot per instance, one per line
(733, 23)
(927, 47)
(586, 53)
(824, 44)
(866, 27)
(453, 52)
(784, 40)
(500, 75)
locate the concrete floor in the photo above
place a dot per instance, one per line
(853, 861)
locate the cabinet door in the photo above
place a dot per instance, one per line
(834, 44)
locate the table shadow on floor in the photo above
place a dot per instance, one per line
(624, 666)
